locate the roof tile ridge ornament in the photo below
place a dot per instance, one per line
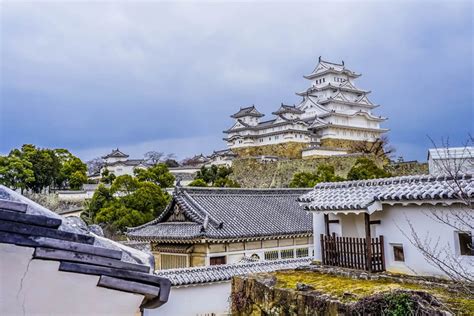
(200, 208)
(205, 223)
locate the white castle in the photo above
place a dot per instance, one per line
(332, 108)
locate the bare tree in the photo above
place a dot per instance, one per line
(154, 157)
(460, 218)
(94, 165)
(170, 156)
(380, 148)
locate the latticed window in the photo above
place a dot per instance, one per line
(169, 261)
(301, 252)
(287, 253)
(271, 255)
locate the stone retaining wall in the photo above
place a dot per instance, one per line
(258, 295)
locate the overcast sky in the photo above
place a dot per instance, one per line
(92, 76)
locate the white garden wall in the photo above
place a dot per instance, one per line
(196, 300)
(36, 287)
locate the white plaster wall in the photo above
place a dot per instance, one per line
(270, 140)
(395, 220)
(394, 223)
(120, 170)
(440, 166)
(201, 299)
(36, 287)
(236, 256)
(322, 152)
(348, 134)
(318, 229)
(115, 159)
(74, 195)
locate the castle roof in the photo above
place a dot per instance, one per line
(288, 109)
(323, 67)
(264, 125)
(247, 111)
(451, 153)
(223, 153)
(128, 162)
(348, 127)
(341, 87)
(116, 153)
(361, 195)
(361, 101)
(360, 112)
(219, 214)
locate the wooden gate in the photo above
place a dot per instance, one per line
(355, 253)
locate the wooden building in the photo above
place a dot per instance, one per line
(211, 226)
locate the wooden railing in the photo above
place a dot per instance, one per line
(355, 253)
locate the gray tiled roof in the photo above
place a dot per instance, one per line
(358, 195)
(223, 153)
(128, 162)
(225, 213)
(247, 111)
(225, 272)
(288, 109)
(70, 242)
(329, 67)
(116, 153)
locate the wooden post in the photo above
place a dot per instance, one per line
(368, 242)
(382, 252)
(323, 255)
(326, 224)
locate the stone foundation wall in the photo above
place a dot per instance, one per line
(338, 143)
(250, 173)
(407, 168)
(258, 295)
(287, 150)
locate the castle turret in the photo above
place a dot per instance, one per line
(249, 115)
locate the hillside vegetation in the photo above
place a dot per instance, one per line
(251, 173)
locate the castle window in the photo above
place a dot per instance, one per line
(287, 253)
(465, 244)
(217, 260)
(398, 254)
(255, 257)
(271, 255)
(173, 261)
(301, 252)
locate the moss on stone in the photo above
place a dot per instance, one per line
(351, 290)
(338, 287)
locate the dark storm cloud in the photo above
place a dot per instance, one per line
(154, 75)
